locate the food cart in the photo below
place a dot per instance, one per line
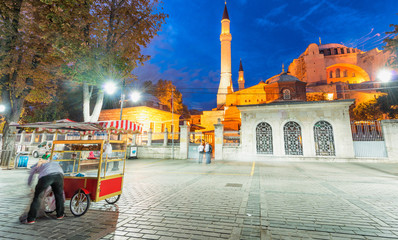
(92, 172)
(93, 169)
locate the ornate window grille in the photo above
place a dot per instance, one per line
(286, 94)
(264, 138)
(293, 139)
(324, 140)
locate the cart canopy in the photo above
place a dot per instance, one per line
(119, 126)
(60, 126)
(67, 125)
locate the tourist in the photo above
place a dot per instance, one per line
(201, 150)
(208, 151)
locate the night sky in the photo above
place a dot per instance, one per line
(265, 34)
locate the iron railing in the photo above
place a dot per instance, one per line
(366, 131)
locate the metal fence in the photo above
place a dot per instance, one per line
(368, 139)
(173, 139)
(366, 131)
(231, 138)
(196, 138)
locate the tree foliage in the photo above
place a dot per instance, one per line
(316, 97)
(41, 112)
(388, 103)
(168, 95)
(392, 45)
(109, 45)
(29, 65)
(369, 110)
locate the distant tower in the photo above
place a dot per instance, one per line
(226, 74)
(241, 79)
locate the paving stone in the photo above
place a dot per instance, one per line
(281, 200)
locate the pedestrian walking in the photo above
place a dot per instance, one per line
(50, 174)
(201, 150)
(208, 151)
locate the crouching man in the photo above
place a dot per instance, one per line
(50, 174)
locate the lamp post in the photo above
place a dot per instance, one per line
(111, 87)
(172, 123)
(122, 96)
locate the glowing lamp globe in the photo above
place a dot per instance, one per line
(135, 96)
(110, 88)
(384, 75)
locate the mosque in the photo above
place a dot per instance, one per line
(323, 72)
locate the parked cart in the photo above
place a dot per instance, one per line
(93, 172)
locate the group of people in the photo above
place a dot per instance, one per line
(205, 149)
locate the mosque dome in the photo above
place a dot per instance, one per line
(282, 77)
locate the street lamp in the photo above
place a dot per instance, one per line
(110, 88)
(135, 96)
(384, 75)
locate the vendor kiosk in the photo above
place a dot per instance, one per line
(94, 171)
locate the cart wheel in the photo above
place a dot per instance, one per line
(79, 203)
(113, 200)
(35, 154)
(49, 201)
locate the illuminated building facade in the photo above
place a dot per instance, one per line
(332, 71)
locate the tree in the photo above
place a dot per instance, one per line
(29, 69)
(44, 112)
(392, 46)
(165, 91)
(369, 110)
(316, 97)
(109, 45)
(388, 103)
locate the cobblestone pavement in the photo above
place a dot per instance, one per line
(178, 199)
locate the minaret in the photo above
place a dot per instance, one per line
(241, 79)
(226, 74)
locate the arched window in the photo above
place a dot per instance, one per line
(324, 140)
(337, 72)
(264, 138)
(345, 73)
(286, 94)
(331, 74)
(293, 139)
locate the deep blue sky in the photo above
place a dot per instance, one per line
(265, 34)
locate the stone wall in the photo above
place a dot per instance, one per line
(390, 133)
(159, 152)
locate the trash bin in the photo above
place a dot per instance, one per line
(23, 161)
(132, 152)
